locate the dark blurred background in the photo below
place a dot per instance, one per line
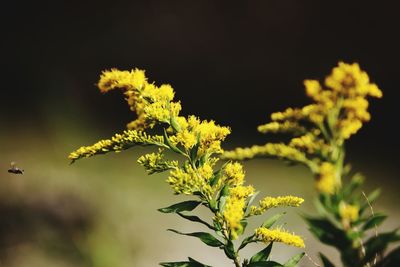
(235, 62)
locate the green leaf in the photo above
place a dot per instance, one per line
(378, 244)
(194, 261)
(374, 195)
(176, 264)
(374, 221)
(224, 191)
(217, 175)
(371, 198)
(230, 250)
(326, 201)
(172, 146)
(203, 159)
(182, 206)
(207, 238)
(270, 221)
(294, 260)
(195, 149)
(251, 199)
(326, 261)
(391, 260)
(175, 125)
(213, 204)
(190, 263)
(262, 255)
(265, 264)
(356, 181)
(221, 203)
(243, 223)
(195, 219)
(247, 241)
(328, 233)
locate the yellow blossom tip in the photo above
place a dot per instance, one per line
(278, 235)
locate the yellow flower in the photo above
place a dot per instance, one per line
(339, 109)
(357, 107)
(155, 162)
(288, 114)
(273, 202)
(117, 143)
(275, 127)
(278, 235)
(188, 181)
(234, 208)
(163, 93)
(313, 88)
(326, 180)
(351, 81)
(186, 138)
(241, 191)
(127, 80)
(233, 214)
(206, 171)
(348, 212)
(306, 142)
(278, 150)
(348, 127)
(152, 104)
(157, 111)
(234, 173)
(211, 136)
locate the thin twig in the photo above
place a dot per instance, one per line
(363, 251)
(310, 259)
(376, 227)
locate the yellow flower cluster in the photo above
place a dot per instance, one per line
(348, 212)
(188, 180)
(278, 235)
(209, 134)
(116, 79)
(234, 209)
(223, 190)
(278, 150)
(117, 143)
(155, 162)
(350, 80)
(345, 96)
(310, 143)
(327, 181)
(234, 174)
(319, 129)
(293, 114)
(152, 104)
(281, 127)
(273, 202)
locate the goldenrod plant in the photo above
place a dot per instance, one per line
(318, 133)
(197, 142)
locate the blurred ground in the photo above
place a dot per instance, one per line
(101, 211)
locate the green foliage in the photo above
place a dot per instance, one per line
(262, 255)
(348, 237)
(294, 260)
(325, 261)
(182, 206)
(190, 263)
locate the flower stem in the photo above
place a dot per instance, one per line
(236, 261)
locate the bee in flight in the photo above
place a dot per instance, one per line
(14, 169)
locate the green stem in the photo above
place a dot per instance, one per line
(236, 261)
